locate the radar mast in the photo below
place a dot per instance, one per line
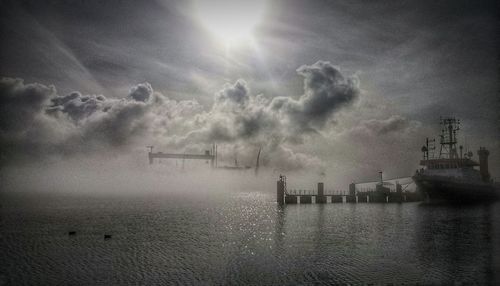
(448, 137)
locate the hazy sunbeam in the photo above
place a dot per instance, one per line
(230, 21)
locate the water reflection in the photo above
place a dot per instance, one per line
(455, 242)
(247, 239)
(388, 243)
(280, 225)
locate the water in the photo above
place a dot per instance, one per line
(243, 238)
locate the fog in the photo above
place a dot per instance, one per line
(131, 177)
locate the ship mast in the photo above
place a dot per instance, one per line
(448, 137)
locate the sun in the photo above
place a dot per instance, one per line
(231, 21)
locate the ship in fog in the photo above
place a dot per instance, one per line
(452, 175)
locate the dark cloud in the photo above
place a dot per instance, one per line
(36, 121)
(235, 94)
(118, 126)
(235, 115)
(77, 106)
(326, 90)
(21, 103)
(141, 92)
(25, 129)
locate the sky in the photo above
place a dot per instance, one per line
(340, 88)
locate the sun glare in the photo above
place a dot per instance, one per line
(230, 20)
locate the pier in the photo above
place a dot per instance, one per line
(380, 194)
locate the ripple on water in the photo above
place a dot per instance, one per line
(245, 238)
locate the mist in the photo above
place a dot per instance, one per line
(133, 176)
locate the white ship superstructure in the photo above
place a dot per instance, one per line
(451, 175)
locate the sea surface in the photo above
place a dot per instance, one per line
(236, 238)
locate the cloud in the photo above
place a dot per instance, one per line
(25, 128)
(238, 118)
(391, 128)
(141, 92)
(21, 103)
(326, 91)
(237, 114)
(393, 124)
(36, 121)
(237, 94)
(77, 106)
(117, 126)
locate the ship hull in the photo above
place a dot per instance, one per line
(445, 189)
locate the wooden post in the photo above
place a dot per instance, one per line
(280, 191)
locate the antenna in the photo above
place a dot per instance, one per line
(448, 137)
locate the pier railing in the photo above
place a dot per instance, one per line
(322, 196)
(298, 192)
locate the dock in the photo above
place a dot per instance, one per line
(380, 194)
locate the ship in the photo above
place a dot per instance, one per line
(452, 175)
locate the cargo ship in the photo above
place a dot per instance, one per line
(452, 175)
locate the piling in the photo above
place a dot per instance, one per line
(395, 198)
(321, 198)
(306, 199)
(291, 199)
(352, 189)
(350, 199)
(280, 190)
(337, 199)
(362, 198)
